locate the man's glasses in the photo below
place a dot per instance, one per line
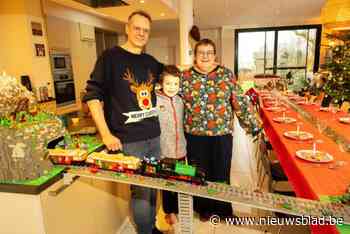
(139, 30)
(209, 53)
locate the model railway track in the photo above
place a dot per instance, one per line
(233, 194)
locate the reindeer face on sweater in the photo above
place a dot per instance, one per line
(142, 90)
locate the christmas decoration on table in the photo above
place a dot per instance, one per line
(24, 133)
(338, 66)
(343, 199)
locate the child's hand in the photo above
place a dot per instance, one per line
(171, 218)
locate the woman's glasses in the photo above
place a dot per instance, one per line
(209, 53)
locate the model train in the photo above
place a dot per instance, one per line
(166, 168)
(169, 168)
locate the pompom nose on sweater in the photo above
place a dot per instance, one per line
(172, 139)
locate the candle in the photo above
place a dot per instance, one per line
(298, 129)
(314, 148)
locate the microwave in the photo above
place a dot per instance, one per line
(60, 62)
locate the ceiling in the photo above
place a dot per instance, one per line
(256, 12)
(158, 9)
(218, 13)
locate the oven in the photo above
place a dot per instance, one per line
(65, 92)
(63, 78)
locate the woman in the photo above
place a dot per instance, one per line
(211, 94)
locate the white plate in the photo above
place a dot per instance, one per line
(294, 98)
(345, 120)
(268, 98)
(270, 102)
(302, 136)
(286, 120)
(326, 109)
(275, 109)
(320, 157)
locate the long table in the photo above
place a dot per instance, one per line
(310, 180)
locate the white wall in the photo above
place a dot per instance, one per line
(164, 45)
(228, 47)
(17, 49)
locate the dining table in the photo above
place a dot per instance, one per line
(317, 178)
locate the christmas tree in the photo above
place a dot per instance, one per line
(338, 66)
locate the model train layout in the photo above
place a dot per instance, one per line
(117, 161)
(228, 193)
(170, 174)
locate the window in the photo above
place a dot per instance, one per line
(278, 51)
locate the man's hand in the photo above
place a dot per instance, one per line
(112, 143)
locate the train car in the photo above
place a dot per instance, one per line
(68, 156)
(173, 169)
(72, 150)
(118, 162)
(149, 167)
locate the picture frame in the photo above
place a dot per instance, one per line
(40, 50)
(37, 29)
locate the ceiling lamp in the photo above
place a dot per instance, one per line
(102, 3)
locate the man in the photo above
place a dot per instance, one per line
(123, 79)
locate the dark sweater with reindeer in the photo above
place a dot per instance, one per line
(125, 83)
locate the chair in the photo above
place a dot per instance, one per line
(268, 168)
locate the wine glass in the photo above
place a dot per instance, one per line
(343, 147)
(337, 164)
(321, 126)
(314, 146)
(334, 108)
(285, 105)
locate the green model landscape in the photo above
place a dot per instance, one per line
(38, 181)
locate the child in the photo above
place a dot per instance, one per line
(172, 139)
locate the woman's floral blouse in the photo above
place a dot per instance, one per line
(209, 100)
